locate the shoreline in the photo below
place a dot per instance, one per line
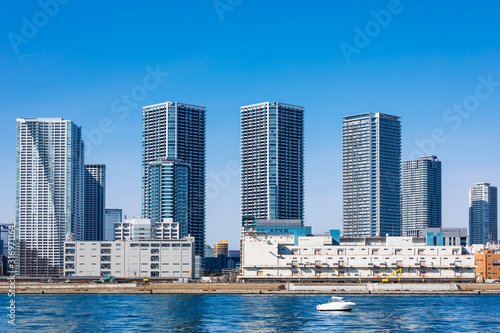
(253, 289)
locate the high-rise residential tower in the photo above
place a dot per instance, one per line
(174, 133)
(371, 176)
(168, 192)
(49, 193)
(94, 202)
(421, 196)
(272, 161)
(483, 210)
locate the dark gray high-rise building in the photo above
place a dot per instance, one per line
(49, 193)
(483, 214)
(272, 161)
(371, 175)
(175, 131)
(421, 196)
(95, 197)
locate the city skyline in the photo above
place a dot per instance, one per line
(441, 78)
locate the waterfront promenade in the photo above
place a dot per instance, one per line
(250, 288)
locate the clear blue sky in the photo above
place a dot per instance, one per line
(79, 61)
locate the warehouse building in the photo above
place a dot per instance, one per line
(316, 258)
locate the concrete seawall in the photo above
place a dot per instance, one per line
(250, 288)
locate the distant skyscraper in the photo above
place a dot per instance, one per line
(95, 196)
(371, 175)
(421, 196)
(49, 193)
(175, 131)
(111, 215)
(4, 237)
(272, 161)
(483, 209)
(221, 248)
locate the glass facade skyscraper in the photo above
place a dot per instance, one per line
(49, 193)
(176, 131)
(95, 201)
(421, 196)
(111, 215)
(483, 214)
(272, 161)
(168, 193)
(371, 154)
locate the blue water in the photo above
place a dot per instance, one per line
(251, 313)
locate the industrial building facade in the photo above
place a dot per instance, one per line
(167, 259)
(315, 258)
(488, 265)
(371, 155)
(49, 193)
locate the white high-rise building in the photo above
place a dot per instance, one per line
(371, 153)
(49, 193)
(483, 210)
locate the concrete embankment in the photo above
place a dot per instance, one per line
(250, 288)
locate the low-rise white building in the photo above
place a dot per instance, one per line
(134, 229)
(159, 258)
(167, 229)
(283, 257)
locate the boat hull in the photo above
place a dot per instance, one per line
(336, 307)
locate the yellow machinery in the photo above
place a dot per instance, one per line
(145, 279)
(400, 270)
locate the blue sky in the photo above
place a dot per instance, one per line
(427, 62)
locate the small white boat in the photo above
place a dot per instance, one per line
(336, 304)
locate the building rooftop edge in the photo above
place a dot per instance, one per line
(42, 119)
(171, 103)
(281, 103)
(369, 113)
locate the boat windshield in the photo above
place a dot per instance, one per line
(336, 300)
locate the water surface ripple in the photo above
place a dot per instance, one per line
(251, 313)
